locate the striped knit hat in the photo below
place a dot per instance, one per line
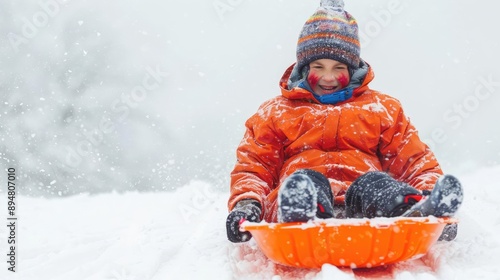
(330, 33)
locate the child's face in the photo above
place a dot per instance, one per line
(327, 76)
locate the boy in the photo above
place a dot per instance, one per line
(331, 140)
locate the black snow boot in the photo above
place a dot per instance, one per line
(304, 195)
(324, 205)
(376, 194)
(443, 201)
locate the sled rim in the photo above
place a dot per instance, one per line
(351, 243)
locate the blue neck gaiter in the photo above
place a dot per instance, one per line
(332, 98)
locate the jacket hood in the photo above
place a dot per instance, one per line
(291, 82)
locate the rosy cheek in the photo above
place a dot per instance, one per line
(313, 80)
(343, 80)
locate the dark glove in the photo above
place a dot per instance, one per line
(245, 210)
(449, 232)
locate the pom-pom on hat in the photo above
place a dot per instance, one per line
(332, 33)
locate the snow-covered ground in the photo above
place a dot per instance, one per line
(181, 235)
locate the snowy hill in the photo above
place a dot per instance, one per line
(181, 235)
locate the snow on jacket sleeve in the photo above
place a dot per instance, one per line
(402, 154)
(259, 160)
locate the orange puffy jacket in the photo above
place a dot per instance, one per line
(294, 131)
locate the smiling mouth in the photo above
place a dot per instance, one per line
(329, 88)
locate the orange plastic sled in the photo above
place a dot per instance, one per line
(351, 243)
